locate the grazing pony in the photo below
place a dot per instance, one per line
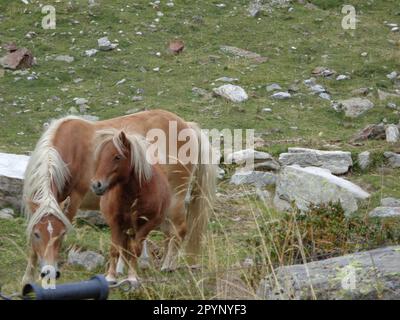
(58, 178)
(135, 196)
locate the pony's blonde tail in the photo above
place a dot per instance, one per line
(202, 195)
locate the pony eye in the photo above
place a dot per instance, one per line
(117, 157)
(36, 234)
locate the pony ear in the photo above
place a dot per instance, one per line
(124, 139)
(65, 205)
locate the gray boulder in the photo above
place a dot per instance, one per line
(338, 162)
(364, 160)
(90, 260)
(354, 107)
(393, 159)
(364, 275)
(256, 178)
(317, 186)
(12, 169)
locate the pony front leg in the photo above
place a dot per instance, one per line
(112, 272)
(144, 260)
(29, 275)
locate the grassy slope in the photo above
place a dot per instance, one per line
(317, 35)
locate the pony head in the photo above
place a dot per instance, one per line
(117, 154)
(46, 234)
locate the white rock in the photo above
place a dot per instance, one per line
(240, 157)
(281, 95)
(91, 52)
(393, 75)
(342, 77)
(364, 160)
(64, 58)
(338, 162)
(325, 96)
(317, 88)
(105, 44)
(231, 92)
(316, 186)
(392, 133)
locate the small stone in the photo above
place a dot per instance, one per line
(266, 110)
(325, 96)
(137, 98)
(105, 44)
(273, 87)
(64, 58)
(73, 110)
(80, 101)
(354, 107)
(342, 77)
(281, 95)
(227, 79)
(393, 75)
(91, 52)
(6, 214)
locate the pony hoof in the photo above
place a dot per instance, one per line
(111, 280)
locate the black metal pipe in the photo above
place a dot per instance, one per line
(95, 288)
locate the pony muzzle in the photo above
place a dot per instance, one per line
(99, 187)
(50, 271)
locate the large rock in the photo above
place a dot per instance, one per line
(365, 275)
(390, 202)
(92, 217)
(232, 93)
(385, 212)
(12, 169)
(393, 159)
(338, 162)
(354, 107)
(317, 186)
(261, 160)
(256, 178)
(90, 260)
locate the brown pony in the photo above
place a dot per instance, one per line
(135, 197)
(58, 179)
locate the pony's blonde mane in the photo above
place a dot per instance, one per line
(45, 169)
(139, 144)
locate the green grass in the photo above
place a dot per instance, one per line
(319, 41)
